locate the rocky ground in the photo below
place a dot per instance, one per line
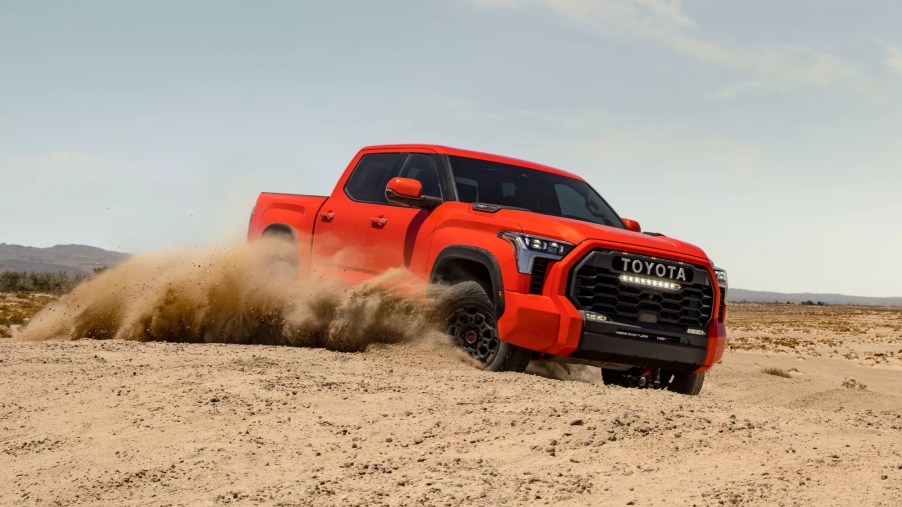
(17, 308)
(118, 422)
(865, 335)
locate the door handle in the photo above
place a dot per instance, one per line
(378, 222)
(327, 216)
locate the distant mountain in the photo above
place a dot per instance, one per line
(738, 295)
(70, 259)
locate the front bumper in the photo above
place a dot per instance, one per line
(610, 342)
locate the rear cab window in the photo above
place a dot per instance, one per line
(373, 172)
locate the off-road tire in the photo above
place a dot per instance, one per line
(678, 382)
(614, 378)
(282, 256)
(687, 383)
(468, 315)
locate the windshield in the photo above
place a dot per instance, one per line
(531, 190)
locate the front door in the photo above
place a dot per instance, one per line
(394, 229)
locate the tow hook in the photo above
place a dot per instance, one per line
(649, 378)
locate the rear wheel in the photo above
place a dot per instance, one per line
(469, 317)
(615, 378)
(687, 383)
(281, 252)
(678, 382)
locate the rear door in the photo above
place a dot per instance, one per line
(339, 241)
(395, 230)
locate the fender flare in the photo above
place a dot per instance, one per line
(480, 256)
(277, 226)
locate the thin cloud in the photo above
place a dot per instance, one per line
(894, 59)
(667, 23)
(668, 154)
(570, 137)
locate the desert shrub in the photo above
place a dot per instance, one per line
(56, 283)
(9, 281)
(777, 372)
(853, 384)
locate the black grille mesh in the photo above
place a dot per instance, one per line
(598, 289)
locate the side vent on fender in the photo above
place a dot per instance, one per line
(539, 268)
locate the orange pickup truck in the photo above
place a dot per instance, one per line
(539, 265)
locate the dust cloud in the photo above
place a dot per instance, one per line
(238, 294)
(565, 371)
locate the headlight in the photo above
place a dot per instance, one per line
(721, 275)
(528, 247)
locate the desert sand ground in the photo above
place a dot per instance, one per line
(117, 422)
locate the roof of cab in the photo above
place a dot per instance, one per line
(446, 150)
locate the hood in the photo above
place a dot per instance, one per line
(576, 231)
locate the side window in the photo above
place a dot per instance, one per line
(422, 167)
(367, 182)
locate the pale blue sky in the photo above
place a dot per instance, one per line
(766, 132)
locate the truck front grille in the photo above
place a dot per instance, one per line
(595, 286)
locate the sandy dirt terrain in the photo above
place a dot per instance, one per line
(122, 422)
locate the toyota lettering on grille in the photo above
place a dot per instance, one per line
(652, 268)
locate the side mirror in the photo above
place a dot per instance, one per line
(632, 225)
(409, 192)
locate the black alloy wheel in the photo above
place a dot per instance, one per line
(474, 329)
(470, 319)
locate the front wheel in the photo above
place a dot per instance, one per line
(469, 318)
